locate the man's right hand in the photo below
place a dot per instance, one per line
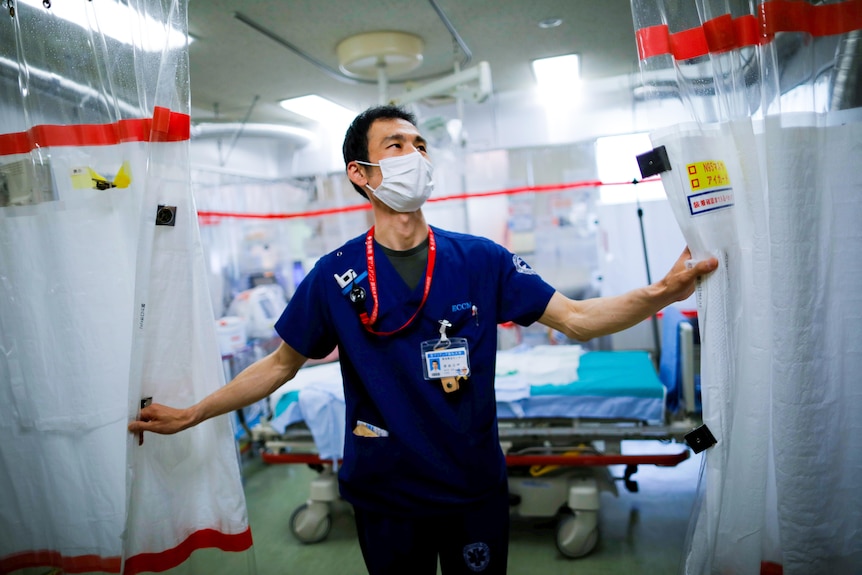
(161, 419)
(255, 382)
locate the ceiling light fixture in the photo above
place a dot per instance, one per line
(558, 72)
(317, 108)
(558, 80)
(120, 22)
(398, 53)
(550, 23)
(298, 136)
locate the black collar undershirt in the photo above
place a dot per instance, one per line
(410, 264)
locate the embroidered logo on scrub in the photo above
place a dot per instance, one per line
(522, 266)
(477, 556)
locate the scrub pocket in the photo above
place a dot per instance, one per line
(374, 460)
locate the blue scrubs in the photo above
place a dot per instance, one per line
(442, 452)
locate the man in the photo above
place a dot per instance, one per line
(422, 464)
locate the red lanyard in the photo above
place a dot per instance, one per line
(368, 322)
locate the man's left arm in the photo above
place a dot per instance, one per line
(583, 320)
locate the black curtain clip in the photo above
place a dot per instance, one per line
(653, 162)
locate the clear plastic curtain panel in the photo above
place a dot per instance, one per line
(103, 299)
(764, 175)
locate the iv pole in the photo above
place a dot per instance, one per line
(653, 318)
(651, 163)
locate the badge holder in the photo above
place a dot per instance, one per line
(446, 359)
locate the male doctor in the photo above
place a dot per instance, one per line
(423, 467)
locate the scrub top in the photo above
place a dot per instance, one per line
(440, 451)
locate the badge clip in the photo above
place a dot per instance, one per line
(444, 341)
(450, 384)
(345, 279)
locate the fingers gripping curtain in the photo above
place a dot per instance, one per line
(99, 305)
(764, 176)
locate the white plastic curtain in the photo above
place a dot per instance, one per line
(103, 300)
(764, 175)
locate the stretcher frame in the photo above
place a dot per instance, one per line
(557, 469)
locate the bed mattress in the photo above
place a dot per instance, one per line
(540, 382)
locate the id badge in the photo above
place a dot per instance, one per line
(449, 358)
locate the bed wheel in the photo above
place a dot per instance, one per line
(311, 522)
(577, 533)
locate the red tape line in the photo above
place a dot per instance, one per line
(211, 217)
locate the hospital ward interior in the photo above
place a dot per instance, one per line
(171, 171)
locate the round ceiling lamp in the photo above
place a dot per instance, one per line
(363, 55)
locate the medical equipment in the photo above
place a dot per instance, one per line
(231, 335)
(260, 307)
(563, 414)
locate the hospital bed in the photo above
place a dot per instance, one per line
(563, 414)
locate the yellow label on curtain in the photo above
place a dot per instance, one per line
(85, 178)
(705, 175)
(710, 187)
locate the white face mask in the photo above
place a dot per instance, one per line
(407, 181)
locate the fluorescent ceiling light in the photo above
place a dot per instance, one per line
(559, 72)
(550, 23)
(318, 109)
(117, 21)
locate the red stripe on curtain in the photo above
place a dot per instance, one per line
(820, 20)
(720, 34)
(77, 564)
(204, 538)
(165, 126)
(724, 33)
(689, 44)
(746, 30)
(155, 562)
(653, 41)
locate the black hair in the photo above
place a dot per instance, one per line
(355, 145)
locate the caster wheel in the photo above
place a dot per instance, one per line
(310, 524)
(577, 533)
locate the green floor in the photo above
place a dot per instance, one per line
(641, 533)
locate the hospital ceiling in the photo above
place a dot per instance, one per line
(249, 55)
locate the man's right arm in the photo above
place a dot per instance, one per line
(257, 381)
